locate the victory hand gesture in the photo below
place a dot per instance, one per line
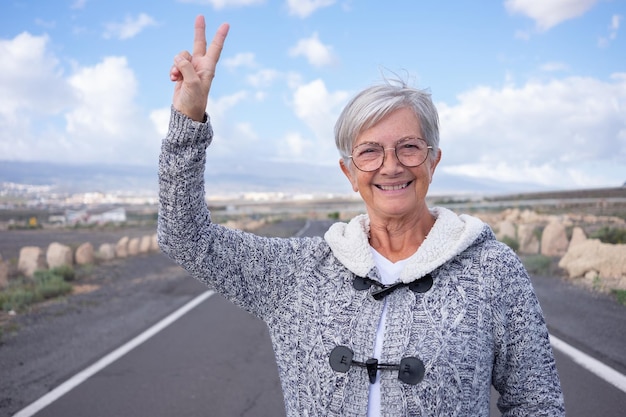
(193, 74)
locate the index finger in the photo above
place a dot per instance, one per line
(199, 38)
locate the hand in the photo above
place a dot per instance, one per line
(193, 74)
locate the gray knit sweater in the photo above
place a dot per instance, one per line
(480, 323)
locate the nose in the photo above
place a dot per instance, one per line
(391, 163)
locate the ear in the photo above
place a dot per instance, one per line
(433, 165)
(349, 174)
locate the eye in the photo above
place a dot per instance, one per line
(367, 149)
(412, 144)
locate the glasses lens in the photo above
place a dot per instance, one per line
(368, 156)
(412, 152)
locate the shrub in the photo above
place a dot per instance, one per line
(333, 215)
(16, 298)
(611, 235)
(53, 287)
(65, 271)
(44, 285)
(511, 243)
(620, 295)
(538, 264)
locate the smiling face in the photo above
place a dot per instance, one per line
(393, 191)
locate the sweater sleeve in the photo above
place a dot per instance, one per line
(254, 272)
(524, 370)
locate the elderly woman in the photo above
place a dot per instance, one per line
(405, 310)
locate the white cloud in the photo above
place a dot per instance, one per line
(294, 147)
(99, 110)
(562, 133)
(554, 66)
(604, 41)
(318, 109)
(217, 108)
(161, 119)
(549, 13)
(88, 116)
(263, 78)
(78, 4)
(244, 59)
(246, 132)
(222, 4)
(32, 80)
(304, 8)
(314, 51)
(46, 24)
(106, 124)
(226, 132)
(129, 28)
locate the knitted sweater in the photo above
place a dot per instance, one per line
(480, 323)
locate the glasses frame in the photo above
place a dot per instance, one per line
(395, 151)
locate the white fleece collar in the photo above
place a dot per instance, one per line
(450, 235)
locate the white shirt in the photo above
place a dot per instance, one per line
(389, 274)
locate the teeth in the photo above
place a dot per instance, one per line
(392, 187)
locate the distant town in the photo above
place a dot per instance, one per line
(33, 206)
(29, 206)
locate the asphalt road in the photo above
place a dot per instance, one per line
(217, 360)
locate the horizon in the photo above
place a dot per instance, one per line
(108, 179)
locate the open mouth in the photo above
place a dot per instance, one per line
(393, 187)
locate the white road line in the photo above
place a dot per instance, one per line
(594, 366)
(304, 228)
(80, 377)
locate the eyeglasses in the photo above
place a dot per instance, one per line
(411, 152)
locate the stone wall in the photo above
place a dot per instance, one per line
(33, 258)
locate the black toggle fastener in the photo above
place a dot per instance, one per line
(420, 285)
(410, 370)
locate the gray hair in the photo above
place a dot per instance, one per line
(371, 105)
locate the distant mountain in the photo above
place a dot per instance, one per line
(222, 177)
(79, 178)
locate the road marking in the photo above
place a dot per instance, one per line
(594, 366)
(83, 375)
(304, 228)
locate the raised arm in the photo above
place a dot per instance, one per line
(193, 73)
(255, 273)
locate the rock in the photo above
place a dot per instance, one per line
(31, 259)
(528, 240)
(506, 228)
(606, 261)
(4, 274)
(121, 248)
(145, 243)
(512, 215)
(84, 254)
(529, 216)
(133, 246)
(59, 255)
(554, 239)
(578, 236)
(106, 252)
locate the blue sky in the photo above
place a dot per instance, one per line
(531, 93)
